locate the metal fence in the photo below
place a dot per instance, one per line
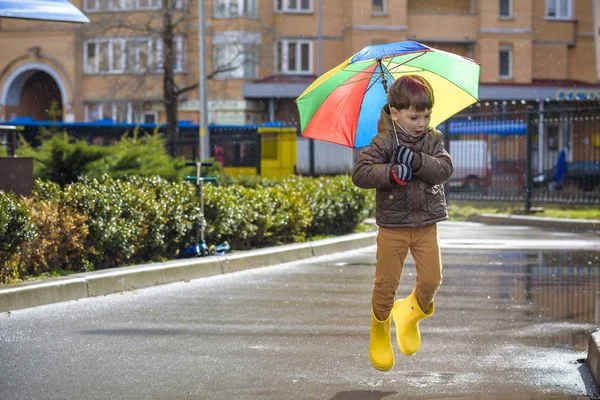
(527, 156)
(543, 155)
(550, 156)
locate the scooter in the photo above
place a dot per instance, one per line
(201, 248)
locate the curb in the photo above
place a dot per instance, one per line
(98, 283)
(522, 220)
(593, 358)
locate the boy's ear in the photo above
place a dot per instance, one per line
(393, 113)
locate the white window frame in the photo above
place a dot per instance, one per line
(384, 8)
(283, 6)
(509, 50)
(154, 46)
(242, 12)
(249, 41)
(108, 109)
(180, 54)
(510, 10)
(558, 16)
(284, 56)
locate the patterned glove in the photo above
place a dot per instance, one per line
(405, 155)
(402, 174)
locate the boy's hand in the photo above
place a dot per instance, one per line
(405, 156)
(402, 173)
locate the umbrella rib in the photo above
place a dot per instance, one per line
(356, 80)
(389, 61)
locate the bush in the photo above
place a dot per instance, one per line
(337, 206)
(136, 220)
(172, 213)
(63, 160)
(15, 229)
(60, 159)
(105, 222)
(229, 215)
(59, 241)
(139, 156)
(281, 215)
(115, 222)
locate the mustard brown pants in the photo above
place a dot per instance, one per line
(393, 245)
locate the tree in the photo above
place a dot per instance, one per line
(171, 21)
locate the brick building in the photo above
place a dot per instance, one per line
(263, 54)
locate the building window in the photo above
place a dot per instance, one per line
(378, 7)
(121, 111)
(293, 56)
(93, 112)
(559, 9)
(150, 117)
(505, 62)
(235, 8)
(293, 6)
(236, 61)
(236, 54)
(128, 5)
(129, 55)
(506, 9)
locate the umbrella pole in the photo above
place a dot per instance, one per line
(383, 79)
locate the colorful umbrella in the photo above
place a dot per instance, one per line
(344, 104)
(50, 10)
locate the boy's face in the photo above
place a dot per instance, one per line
(414, 122)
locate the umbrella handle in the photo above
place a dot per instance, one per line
(398, 181)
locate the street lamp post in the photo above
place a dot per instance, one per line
(311, 143)
(203, 134)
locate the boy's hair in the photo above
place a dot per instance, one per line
(411, 91)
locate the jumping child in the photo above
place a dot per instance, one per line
(407, 165)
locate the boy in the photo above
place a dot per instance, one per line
(407, 165)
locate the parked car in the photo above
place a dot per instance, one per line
(472, 165)
(583, 174)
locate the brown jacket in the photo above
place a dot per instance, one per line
(422, 201)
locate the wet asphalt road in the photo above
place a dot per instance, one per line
(512, 321)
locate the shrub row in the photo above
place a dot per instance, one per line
(63, 159)
(105, 222)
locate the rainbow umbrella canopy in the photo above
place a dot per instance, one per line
(344, 104)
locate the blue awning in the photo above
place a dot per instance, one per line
(493, 127)
(107, 122)
(50, 10)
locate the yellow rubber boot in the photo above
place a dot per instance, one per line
(380, 346)
(407, 314)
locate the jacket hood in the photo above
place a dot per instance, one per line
(386, 123)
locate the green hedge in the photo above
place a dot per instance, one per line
(16, 228)
(143, 219)
(62, 159)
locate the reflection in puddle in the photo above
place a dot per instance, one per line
(552, 286)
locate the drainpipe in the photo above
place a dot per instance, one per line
(596, 14)
(271, 105)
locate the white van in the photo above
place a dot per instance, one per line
(472, 165)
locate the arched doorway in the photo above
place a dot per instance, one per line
(30, 93)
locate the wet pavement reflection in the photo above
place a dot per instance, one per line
(382, 395)
(508, 324)
(551, 286)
